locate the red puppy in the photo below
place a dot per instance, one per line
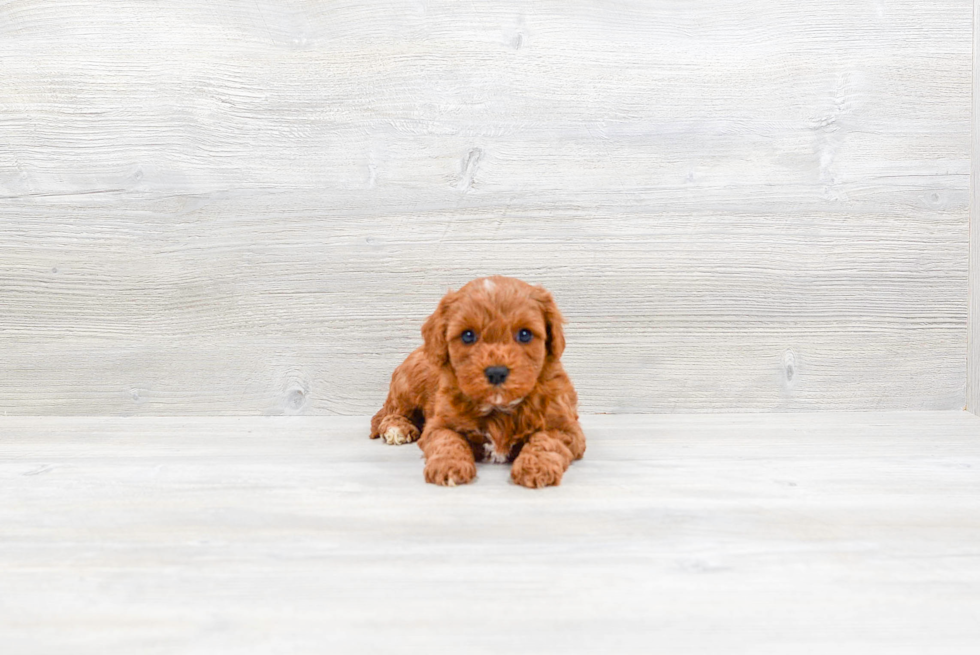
(487, 384)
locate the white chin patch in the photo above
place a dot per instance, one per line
(497, 404)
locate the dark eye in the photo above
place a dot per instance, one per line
(468, 336)
(524, 335)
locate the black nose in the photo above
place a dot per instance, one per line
(496, 374)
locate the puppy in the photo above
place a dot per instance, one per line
(487, 384)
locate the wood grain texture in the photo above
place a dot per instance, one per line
(248, 208)
(973, 339)
(781, 533)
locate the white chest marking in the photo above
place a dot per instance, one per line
(490, 453)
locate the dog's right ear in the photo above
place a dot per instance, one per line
(434, 331)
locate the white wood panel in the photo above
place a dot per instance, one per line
(232, 207)
(973, 339)
(782, 533)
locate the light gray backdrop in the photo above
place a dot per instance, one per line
(249, 207)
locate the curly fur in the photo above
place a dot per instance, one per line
(440, 396)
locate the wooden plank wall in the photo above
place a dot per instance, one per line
(973, 364)
(234, 207)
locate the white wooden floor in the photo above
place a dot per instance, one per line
(813, 533)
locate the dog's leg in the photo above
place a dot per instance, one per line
(400, 419)
(448, 457)
(546, 456)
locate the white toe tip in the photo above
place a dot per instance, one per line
(396, 437)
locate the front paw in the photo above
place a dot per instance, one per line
(398, 430)
(449, 472)
(536, 469)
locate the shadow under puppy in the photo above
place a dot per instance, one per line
(487, 384)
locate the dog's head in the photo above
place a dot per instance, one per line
(496, 334)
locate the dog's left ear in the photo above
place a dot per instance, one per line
(553, 321)
(434, 331)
